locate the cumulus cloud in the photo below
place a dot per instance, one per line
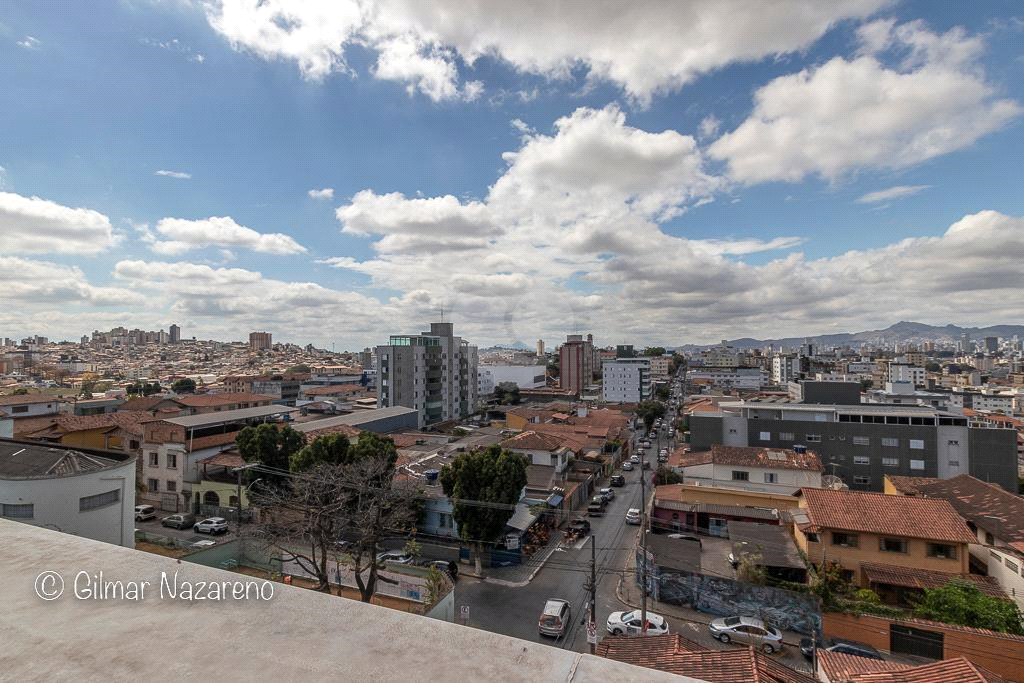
(644, 48)
(31, 225)
(322, 193)
(709, 126)
(847, 115)
(181, 235)
(31, 282)
(181, 175)
(888, 194)
(29, 43)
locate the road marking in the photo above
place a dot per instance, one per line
(693, 626)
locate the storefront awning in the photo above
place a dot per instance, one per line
(522, 519)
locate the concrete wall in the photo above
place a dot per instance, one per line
(1000, 653)
(55, 503)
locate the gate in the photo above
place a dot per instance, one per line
(914, 641)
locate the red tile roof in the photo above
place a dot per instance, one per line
(130, 421)
(989, 506)
(908, 577)
(29, 399)
(839, 666)
(958, 669)
(223, 398)
(532, 441)
(908, 486)
(754, 456)
(211, 441)
(877, 513)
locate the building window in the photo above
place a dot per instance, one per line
(861, 441)
(861, 460)
(892, 545)
(172, 461)
(862, 481)
(154, 485)
(891, 442)
(953, 442)
(732, 431)
(171, 485)
(812, 537)
(766, 436)
(995, 557)
(133, 444)
(989, 538)
(942, 550)
(787, 436)
(740, 475)
(917, 464)
(954, 463)
(844, 539)
(771, 478)
(17, 510)
(890, 462)
(154, 460)
(1011, 565)
(814, 438)
(18, 409)
(100, 500)
(917, 444)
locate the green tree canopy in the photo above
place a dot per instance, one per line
(961, 602)
(507, 392)
(271, 447)
(186, 385)
(300, 369)
(654, 351)
(649, 411)
(484, 486)
(329, 449)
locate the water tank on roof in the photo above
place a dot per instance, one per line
(431, 476)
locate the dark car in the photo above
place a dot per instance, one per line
(450, 568)
(617, 480)
(848, 647)
(579, 526)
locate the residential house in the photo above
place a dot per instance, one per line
(199, 404)
(838, 667)
(30, 405)
(892, 544)
(995, 516)
(750, 467)
(710, 509)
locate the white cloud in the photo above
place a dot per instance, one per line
(28, 282)
(322, 193)
(644, 48)
(847, 115)
(29, 43)
(31, 225)
(185, 235)
(896, 192)
(174, 174)
(709, 126)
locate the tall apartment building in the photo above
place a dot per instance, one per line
(260, 341)
(434, 372)
(861, 443)
(174, 334)
(576, 363)
(904, 372)
(626, 380)
(785, 368)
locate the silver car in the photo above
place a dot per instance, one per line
(747, 630)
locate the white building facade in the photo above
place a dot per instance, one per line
(626, 380)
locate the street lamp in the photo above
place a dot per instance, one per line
(239, 487)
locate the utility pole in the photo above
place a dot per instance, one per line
(643, 552)
(592, 621)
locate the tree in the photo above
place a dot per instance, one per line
(507, 392)
(829, 583)
(664, 475)
(300, 369)
(961, 602)
(932, 366)
(185, 385)
(654, 351)
(649, 411)
(484, 487)
(329, 449)
(662, 393)
(272, 448)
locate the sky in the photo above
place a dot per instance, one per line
(655, 173)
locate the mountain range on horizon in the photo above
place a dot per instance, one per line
(903, 331)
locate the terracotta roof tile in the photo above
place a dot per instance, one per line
(877, 513)
(839, 666)
(532, 441)
(211, 441)
(909, 486)
(753, 456)
(29, 399)
(129, 421)
(223, 398)
(989, 506)
(909, 577)
(958, 669)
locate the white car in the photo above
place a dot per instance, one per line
(212, 525)
(627, 466)
(620, 623)
(635, 458)
(633, 516)
(144, 512)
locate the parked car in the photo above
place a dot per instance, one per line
(633, 516)
(607, 494)
(596, 507)
(395, 557)
(849, 647)
(211, 525)
(580, 527)
(635, 458)
(144, 512)
(179, 521)
(554, 618)
(620, 623)
(627, 466)
(617, 480)
(687, 537)
(747, 630)
(449, 568)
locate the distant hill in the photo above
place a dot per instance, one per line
(903, 331)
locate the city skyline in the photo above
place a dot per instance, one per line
(337, 176)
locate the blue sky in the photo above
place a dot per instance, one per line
(649, 172)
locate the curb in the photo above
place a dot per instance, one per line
(520, 584)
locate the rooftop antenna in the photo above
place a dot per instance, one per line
(442, 313)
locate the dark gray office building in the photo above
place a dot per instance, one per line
(861, 443)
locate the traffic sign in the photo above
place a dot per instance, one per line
(592, 633)
(464, 611)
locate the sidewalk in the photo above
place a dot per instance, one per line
(519, 575)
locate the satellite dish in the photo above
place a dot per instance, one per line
(831, 481)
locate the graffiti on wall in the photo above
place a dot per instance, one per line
(784, 609)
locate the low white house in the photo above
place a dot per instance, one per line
(773, 470)
(83, 492)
